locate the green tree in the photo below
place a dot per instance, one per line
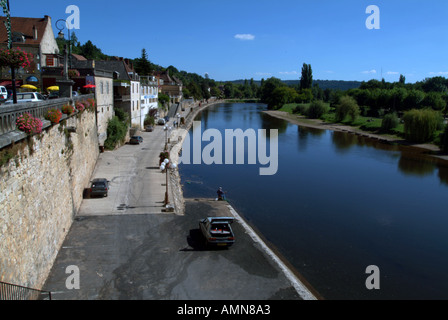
(347, 107)
(402, 79)
(421, 125)
(434, 100)
(142, 65)
(306, 81)
(268, 87)
(317, 109)
(389, 122)
(414, 99)
(281, 96)
(229, 90)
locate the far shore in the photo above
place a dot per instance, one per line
(430, 149)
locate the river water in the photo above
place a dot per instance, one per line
(337, 204)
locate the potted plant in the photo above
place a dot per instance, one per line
(68, 109)
(80, 106)
(53, 115)
(28, 124)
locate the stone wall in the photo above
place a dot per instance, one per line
(41, 191)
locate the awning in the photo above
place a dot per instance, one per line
(9, 83)
(32, 79)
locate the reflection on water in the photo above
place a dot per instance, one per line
(339, 203)
(413, 161)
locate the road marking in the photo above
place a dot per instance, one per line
(301, 289)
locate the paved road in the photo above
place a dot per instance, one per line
(161, 256)
(125, 247)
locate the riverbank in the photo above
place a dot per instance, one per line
(176, 140)
(430, 149)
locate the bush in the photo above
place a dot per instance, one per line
(317, 109)
(116, 132)
(421, 125)
(347, 106)
(301, 109)
(390, 122)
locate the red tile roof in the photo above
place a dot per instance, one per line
(25, 26)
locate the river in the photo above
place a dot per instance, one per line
(337, 204)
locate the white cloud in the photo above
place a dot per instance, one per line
(244, 36)
(440, 73)
(369, 71)
(392, 73)
(289, 72)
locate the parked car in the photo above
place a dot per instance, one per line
(99, 187)
(149, 128)
(53, 95)
(26, 97)
(3, 94)
(161, 121)
(217, 231)
(75, 94)
(167, 119)
(136, 140)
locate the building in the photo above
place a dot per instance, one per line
(35, 36)
(149, 96)
(127, 88)
(170, 86)
(88, 72)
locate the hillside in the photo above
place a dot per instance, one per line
(323, 84)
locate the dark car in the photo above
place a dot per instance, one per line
(167, 119)
(99, 187)
(217, 231)
(53, 95)
(136, 140)
(149, 128)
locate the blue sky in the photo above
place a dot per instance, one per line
(243, 39)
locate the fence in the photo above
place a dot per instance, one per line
(14, 292)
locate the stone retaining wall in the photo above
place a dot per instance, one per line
(41, 191)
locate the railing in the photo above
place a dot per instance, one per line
(14, 292)
(9, 113)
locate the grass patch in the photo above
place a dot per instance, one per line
(289, 107)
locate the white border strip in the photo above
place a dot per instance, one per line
(301, 289)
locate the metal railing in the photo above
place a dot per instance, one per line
(14, 292)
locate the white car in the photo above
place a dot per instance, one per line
(3, 94)
(27, 97)
(161, 121)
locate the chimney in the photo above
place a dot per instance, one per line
(34, 33)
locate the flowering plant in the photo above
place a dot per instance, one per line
(15, 58)
(54, 115)
(28, 124)
(71, 73)
(68, 109)
(80, 106)
(91, 102)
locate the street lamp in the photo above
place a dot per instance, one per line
(166, 164)
(62, 37)
(166, 129)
